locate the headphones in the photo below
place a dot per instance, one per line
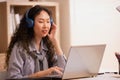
(51, 21)
(30, 22)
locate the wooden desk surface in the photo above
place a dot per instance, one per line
(103, 77)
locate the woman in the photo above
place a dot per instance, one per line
(34, 50)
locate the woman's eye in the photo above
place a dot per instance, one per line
(48, 21)
(40, 21)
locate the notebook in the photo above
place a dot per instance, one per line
(83, 61)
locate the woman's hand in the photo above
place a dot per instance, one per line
(47, 72)
(53, 31)
(56, 69)
(52, 37)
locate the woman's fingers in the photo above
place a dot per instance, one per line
(57, 70)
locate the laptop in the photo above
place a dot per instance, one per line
(83, 61)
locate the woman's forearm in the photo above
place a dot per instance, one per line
(40, 74)
(46, 72)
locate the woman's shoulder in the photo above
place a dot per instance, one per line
(18, 46)
(18, 50)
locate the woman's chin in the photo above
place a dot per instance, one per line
(44, 35)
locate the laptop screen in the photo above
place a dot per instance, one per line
(83, 61)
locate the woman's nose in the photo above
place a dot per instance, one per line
(46, 24)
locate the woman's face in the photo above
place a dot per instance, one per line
(42, 24)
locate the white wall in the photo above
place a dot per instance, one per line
(97, 22)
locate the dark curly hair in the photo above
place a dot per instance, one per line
(23, 35)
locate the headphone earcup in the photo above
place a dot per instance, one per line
(30, 22)
(51, 21)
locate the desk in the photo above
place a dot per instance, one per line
(102, 77)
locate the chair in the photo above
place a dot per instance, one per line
(118, 58)
(3, 75)
(2, 67)
(2, 61)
